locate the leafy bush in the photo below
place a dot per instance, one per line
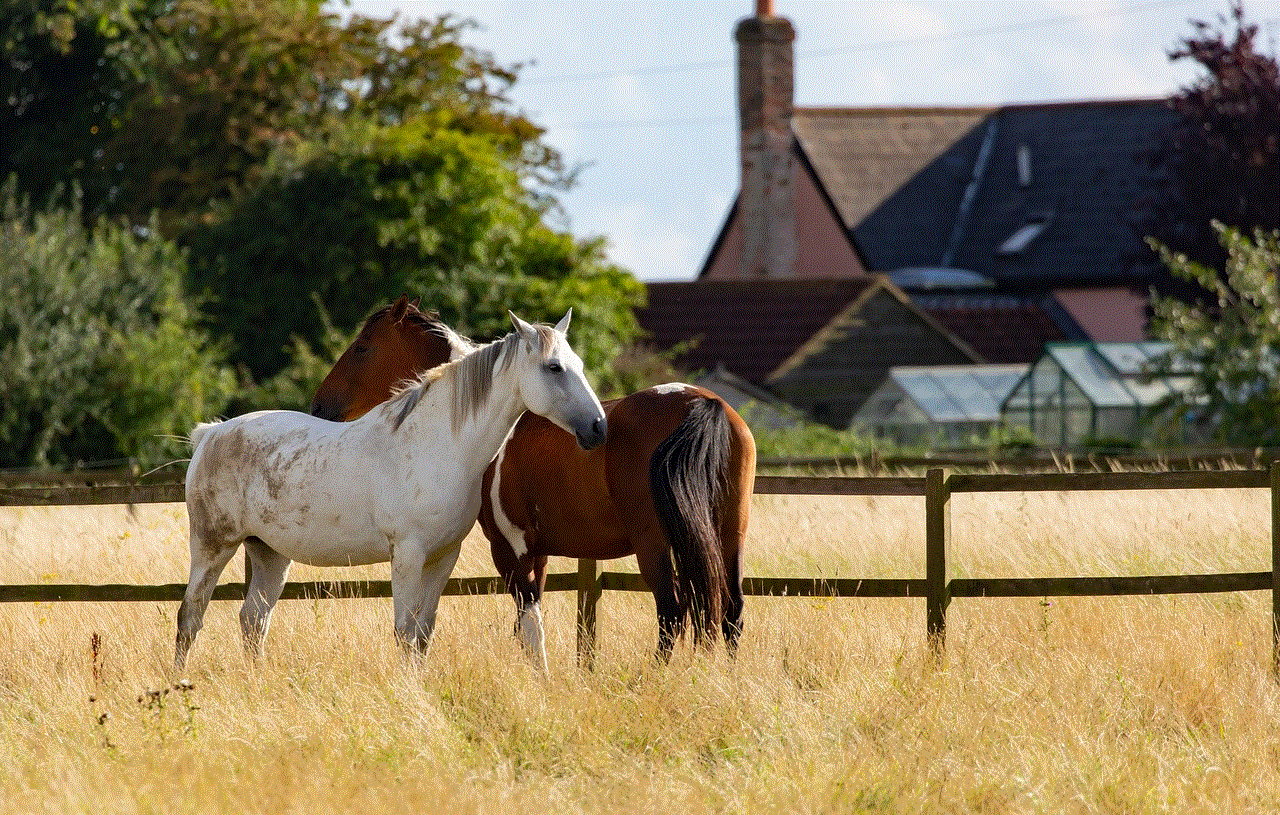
(813, 440)
(1230, 346)
(101, 353)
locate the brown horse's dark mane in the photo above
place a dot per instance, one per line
(428, 320)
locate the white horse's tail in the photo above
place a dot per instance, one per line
(199, 432)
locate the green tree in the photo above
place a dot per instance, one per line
(67, 74)
(407, 208)
(295, 152)
(1229, 345)
(1223, 157)
(100, 350)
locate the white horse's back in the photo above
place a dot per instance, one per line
(304, 484)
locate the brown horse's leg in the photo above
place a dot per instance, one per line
(732, 624)
(654, 556)
(733, 534)
(524, 576)
(735, 509)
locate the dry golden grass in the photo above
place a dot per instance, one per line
(1075, 705)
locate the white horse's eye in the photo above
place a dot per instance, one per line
(555, 367)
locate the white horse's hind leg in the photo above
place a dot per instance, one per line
(269, 571)
(206, 566)
(418, 578)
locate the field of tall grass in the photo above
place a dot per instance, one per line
(1161, 704)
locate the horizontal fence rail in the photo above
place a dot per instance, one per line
(1099, 459)
(937, 588)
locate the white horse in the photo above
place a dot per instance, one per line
(400, 484)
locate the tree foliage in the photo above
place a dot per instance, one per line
(307, 163)
(101, 352)
(1223, 157)
(1229, 345)
(173, 106)
(406, 208)
(66, 77)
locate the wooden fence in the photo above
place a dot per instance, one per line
(937, 588)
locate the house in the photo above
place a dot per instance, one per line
(1004, 228)
(945, 406)
(821, 346)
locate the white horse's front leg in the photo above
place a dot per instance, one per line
(418, 578)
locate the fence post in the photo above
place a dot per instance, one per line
(937, 543)
(589, 590)
(1275, 568)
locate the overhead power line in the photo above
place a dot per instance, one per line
(1005, 28)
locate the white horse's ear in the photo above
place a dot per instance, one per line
(563, 325)
(526, 331)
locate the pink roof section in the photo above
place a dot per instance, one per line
(823, 250)
(1113, 314)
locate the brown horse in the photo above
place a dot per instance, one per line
(387, 352)
(671, 484)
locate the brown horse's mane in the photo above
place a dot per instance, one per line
(428, 320)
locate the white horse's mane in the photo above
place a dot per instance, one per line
(472, 377)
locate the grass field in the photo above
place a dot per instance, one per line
(1159, 704)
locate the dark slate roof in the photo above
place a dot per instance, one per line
(871, 162)
(1001, 328)
(899, 178)
(751, 327)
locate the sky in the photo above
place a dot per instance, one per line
(642, 96)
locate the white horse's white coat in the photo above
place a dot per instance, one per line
(670, 387)
(400, 484)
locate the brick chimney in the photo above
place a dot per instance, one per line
(765, 92)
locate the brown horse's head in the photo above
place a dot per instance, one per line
(396, 343)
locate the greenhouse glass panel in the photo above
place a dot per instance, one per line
(1074, 397)
(1092, 374)
(1048, 428)
(1020, 398)
(979, 390)
(1132, 358)
(882, 404)
(1046, 380)
(926, 392)
(999, 381)
(908, 412)
(967, 394)
(1148, 393)
(1078, 423)
(1118, 423)
(1018, 417)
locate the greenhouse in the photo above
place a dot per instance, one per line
(938, 406)
(1092, 393)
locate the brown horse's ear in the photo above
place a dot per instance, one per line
(399, 307)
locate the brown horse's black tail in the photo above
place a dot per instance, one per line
(687, 476)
